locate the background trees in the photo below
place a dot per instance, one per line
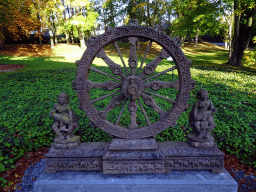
(188, 19)
(244, 23)
(16, 19)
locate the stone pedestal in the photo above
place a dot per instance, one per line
(180, 156)
(133, 156)
(182, 181)
(144, 157)
(201, 143)
(87, 156)
(69, 143)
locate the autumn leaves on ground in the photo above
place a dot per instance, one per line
(36, 50)
(73, 52)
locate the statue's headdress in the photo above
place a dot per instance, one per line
(64, 95)
(201, 92)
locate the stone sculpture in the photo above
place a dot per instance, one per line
(65, 121)
(134, 149)
(201, 120)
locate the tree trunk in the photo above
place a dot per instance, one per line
(242, 35)
(226, 45)
(67, 38)
(72, 36)
(182, 41)
(233, 58)
(230, 41)
(1, 44)
(81, 38)
(1, 37)
(51, 38)
(197, 33)
(55, 39)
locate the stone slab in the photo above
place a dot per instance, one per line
(173, 155)
(120, 144)
(133, 154)
(181, 148)
(89, 149)
(87, 181)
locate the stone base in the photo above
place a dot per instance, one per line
(193, 141)
(130, 144)
(189, 181)
(70, 143)
(169, 156)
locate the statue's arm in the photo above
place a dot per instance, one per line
(70, 112)
(54, 109)
(212, 108)
(195, 110)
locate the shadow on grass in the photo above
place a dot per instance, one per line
(36, 63)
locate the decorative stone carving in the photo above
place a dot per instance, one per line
(65, 121)
(134, 151)
(133, 168)
(131, 84)
(201, 120)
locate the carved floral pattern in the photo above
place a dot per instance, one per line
(194, 163)
(135, 168)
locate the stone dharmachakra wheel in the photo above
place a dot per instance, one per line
(129, 85)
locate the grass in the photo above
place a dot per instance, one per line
(28, 95)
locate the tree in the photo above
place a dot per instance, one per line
(49, 12)
(16, 19)
(194, 18)
(226, 9)
(84, 19)
(146, 12)
(109, 13)
(244, 17)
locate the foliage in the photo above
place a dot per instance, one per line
(16, 19)
(249, 59)
(29, 96)
(244, 24)
(146, 12)
(193, 15)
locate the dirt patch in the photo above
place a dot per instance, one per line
(8, 68)
(30, 50)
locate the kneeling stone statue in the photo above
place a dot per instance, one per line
(201, 120)
(65, 121)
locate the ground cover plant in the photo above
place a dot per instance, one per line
(27, 96)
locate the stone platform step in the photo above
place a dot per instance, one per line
(94, 181)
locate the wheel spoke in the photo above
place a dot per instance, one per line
(161, 73)
(144, 112)
(133, 61)
(115, 68)
(149, 101)
(132, 107)
(149, 69)
(103, 73)
(108, 85)
(159, 96)
(121, 57)
(105, 96)
(115, 101)
(157, 84)
(120, 115)
(143, 60)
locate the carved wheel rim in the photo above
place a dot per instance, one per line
(131, 84)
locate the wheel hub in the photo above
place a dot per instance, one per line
(132, 87)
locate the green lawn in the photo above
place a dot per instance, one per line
(28, 96)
